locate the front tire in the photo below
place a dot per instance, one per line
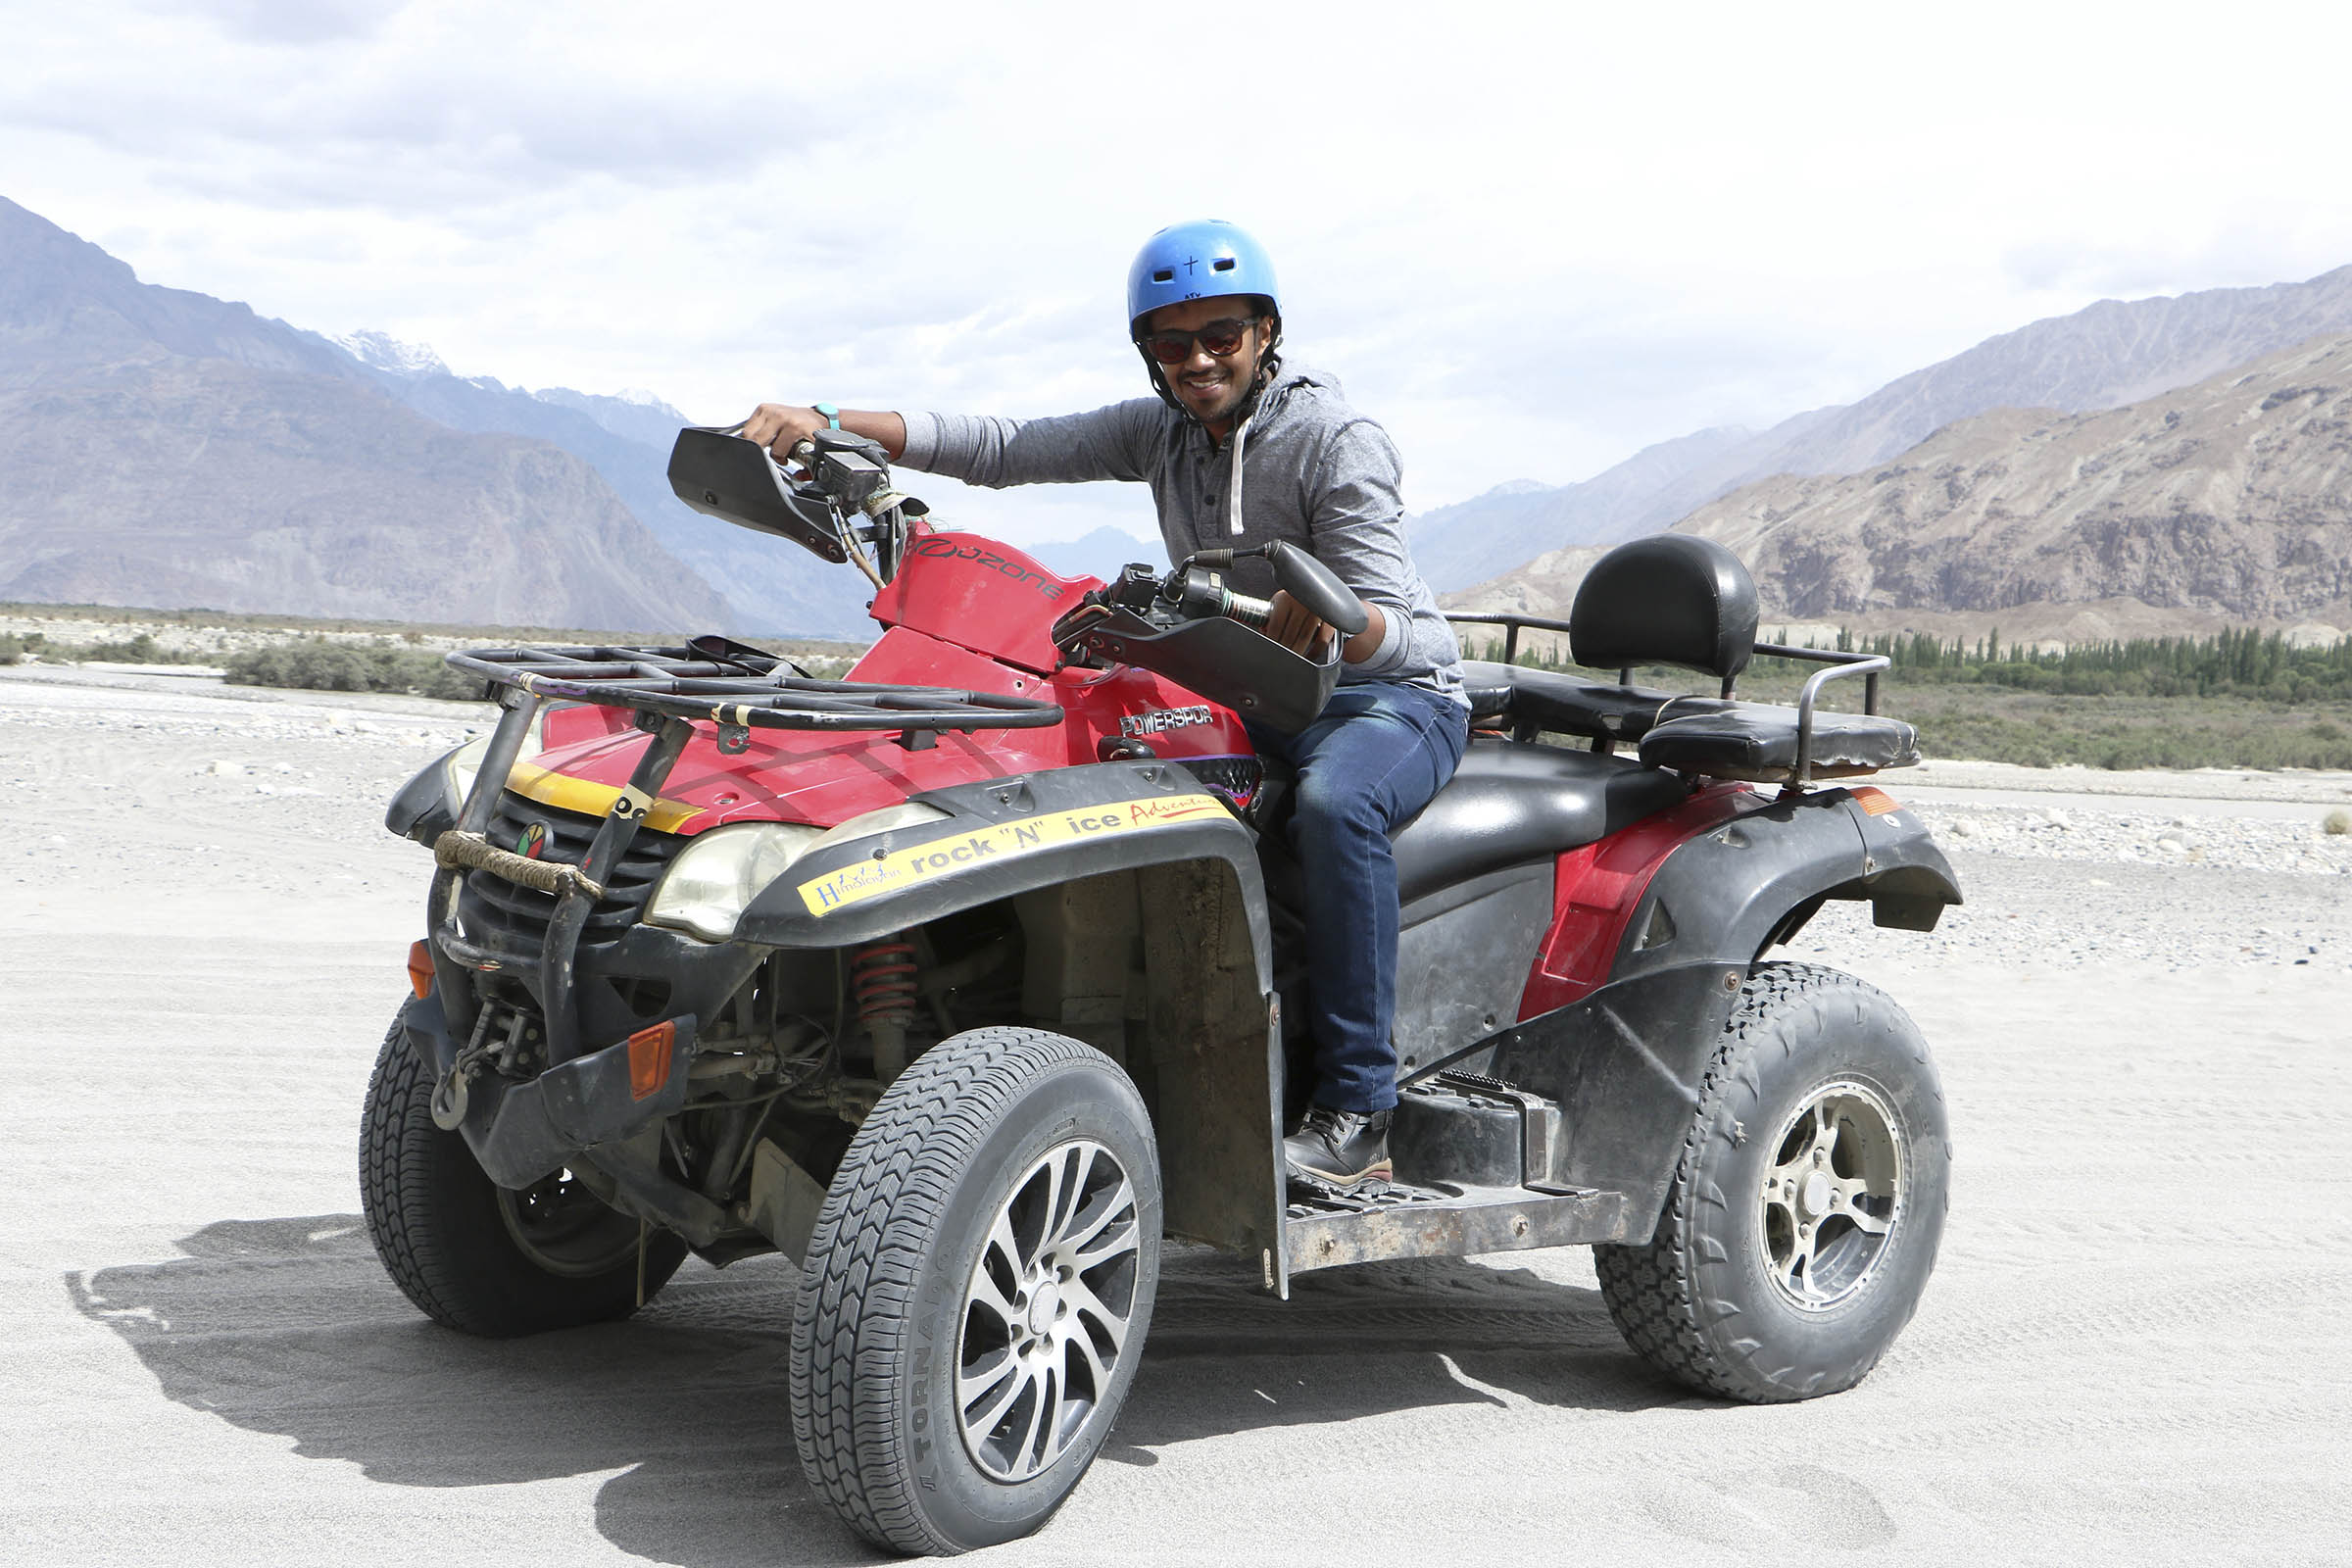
(977, 1291)
(1806, 1210)
(472, 1255)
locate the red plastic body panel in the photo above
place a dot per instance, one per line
(1598, 887)
(981, 595)
(996, 603)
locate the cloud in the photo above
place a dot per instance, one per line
(295, 21)
(1529, 241)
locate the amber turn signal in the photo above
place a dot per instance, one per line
(421, 970)
(1877, 802)
(648, 1059)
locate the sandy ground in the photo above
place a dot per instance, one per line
(2133, 1348)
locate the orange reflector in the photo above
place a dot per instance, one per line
(648, 1059)
(421, 970)
(1877, 802)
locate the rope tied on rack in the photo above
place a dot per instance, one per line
(461, 851)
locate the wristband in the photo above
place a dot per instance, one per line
(832, 415)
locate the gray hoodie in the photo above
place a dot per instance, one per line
(1304, 467)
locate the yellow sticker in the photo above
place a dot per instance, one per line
(1003, 840)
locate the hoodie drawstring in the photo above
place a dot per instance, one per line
(1233, 479)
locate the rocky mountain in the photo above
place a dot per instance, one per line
(769, 585)
(1100, 553)
(1491, 533)
(2232, 496)
(182, 483)
(2105, 356)
(165, 448)
(2230, 501)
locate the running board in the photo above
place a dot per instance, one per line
(1324, 1228)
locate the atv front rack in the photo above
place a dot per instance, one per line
(739, 688)
(709, 680)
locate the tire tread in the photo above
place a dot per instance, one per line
(1652, 1292)
(894, 1184)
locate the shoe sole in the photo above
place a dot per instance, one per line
(1385, 1171)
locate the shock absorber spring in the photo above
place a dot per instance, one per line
(882, 979)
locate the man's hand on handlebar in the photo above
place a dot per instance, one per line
(1291, 625)
(781, 427)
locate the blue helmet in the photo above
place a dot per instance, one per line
(1205, 258)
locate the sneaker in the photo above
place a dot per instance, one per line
(1341, 1148)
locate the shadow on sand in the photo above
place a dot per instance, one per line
(291, 1327)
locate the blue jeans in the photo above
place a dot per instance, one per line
(1377, 754)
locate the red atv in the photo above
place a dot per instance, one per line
(960, 982)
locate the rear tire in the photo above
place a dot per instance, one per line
(1805, 1213)
(977, 1291)
(468, 1253)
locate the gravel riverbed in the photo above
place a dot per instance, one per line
(201, 938)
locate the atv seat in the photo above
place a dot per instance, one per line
(1757, 742)
(1677, 598)
(1711, 736)
(1516, 698)
(1510, 804)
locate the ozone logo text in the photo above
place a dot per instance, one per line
(987, 560)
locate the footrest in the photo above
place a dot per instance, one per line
(1407, 1221)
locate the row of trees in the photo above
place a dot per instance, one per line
(2234, 663)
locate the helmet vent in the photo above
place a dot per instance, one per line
(1223, 264)
(1166, 275)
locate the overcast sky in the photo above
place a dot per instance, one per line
(1530, 239)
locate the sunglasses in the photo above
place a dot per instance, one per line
(1219, 338)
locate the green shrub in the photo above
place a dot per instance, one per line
(313, 664)
(2337, 822)
(141, 649)
(11, 649)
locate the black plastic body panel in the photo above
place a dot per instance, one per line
(1904, 875)
(1008, 836)
(1443, 1135)
(1510, 803)
(1222, 660)
(421, 809)
(1625, 1064)
(1463, 956)
(522, 1132)
(700, 977)
(724, 475)
(1728, 892)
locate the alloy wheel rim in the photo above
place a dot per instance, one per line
(1832, 1197)
(1047, 1311)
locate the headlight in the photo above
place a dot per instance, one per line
(460, 767)
(720, 872)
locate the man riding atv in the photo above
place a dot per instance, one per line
(1240, 448)
(959, 981)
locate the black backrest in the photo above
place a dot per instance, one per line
(1670, 599)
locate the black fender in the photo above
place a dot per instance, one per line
(1728, 894)
(1627, 1065)
(1627, 1062)
(1008, 836)
(420, 810)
